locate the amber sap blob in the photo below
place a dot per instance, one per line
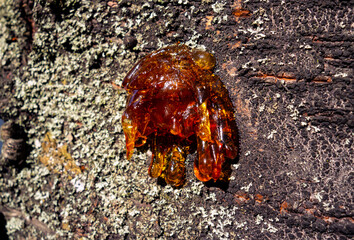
(175, 101)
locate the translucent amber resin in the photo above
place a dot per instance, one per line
(176, 102)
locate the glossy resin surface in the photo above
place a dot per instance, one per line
(175, 102)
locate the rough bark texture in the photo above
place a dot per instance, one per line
(288, 67)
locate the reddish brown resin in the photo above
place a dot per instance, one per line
(175, 100)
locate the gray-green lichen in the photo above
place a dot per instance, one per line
(11, 27)
(71, 93)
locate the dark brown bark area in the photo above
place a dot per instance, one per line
(288, 67)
